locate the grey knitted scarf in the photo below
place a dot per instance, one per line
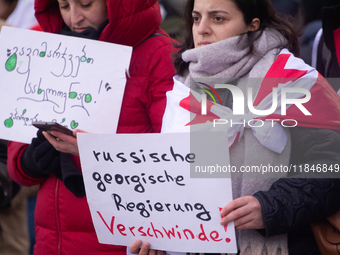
(225, 61)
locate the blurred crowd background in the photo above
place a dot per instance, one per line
(304, 14)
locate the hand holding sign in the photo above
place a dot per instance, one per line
(64, 143)
(245, 212)
(128, 179)
(140, 248)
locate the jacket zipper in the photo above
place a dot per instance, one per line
(56, 206)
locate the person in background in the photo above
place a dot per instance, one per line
(14, 237)
(63, 223)
(6, 8)
(18, 13)
(172, 18)
(16, 219)
(227, 40)
(23, 15)
(311, 15)
(326, 48)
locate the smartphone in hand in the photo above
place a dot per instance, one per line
(52, 126)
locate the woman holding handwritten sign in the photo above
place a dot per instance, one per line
(232, 39)
(62, 216)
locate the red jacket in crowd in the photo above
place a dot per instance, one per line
(63, 221)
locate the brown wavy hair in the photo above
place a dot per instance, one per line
(262, 9)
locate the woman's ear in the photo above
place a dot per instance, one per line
(254, 25)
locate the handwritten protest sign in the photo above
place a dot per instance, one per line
(76, 82)
(138, 186)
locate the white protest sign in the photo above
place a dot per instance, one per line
(138, 186)
(76, 82)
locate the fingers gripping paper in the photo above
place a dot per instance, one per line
(139, 186)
